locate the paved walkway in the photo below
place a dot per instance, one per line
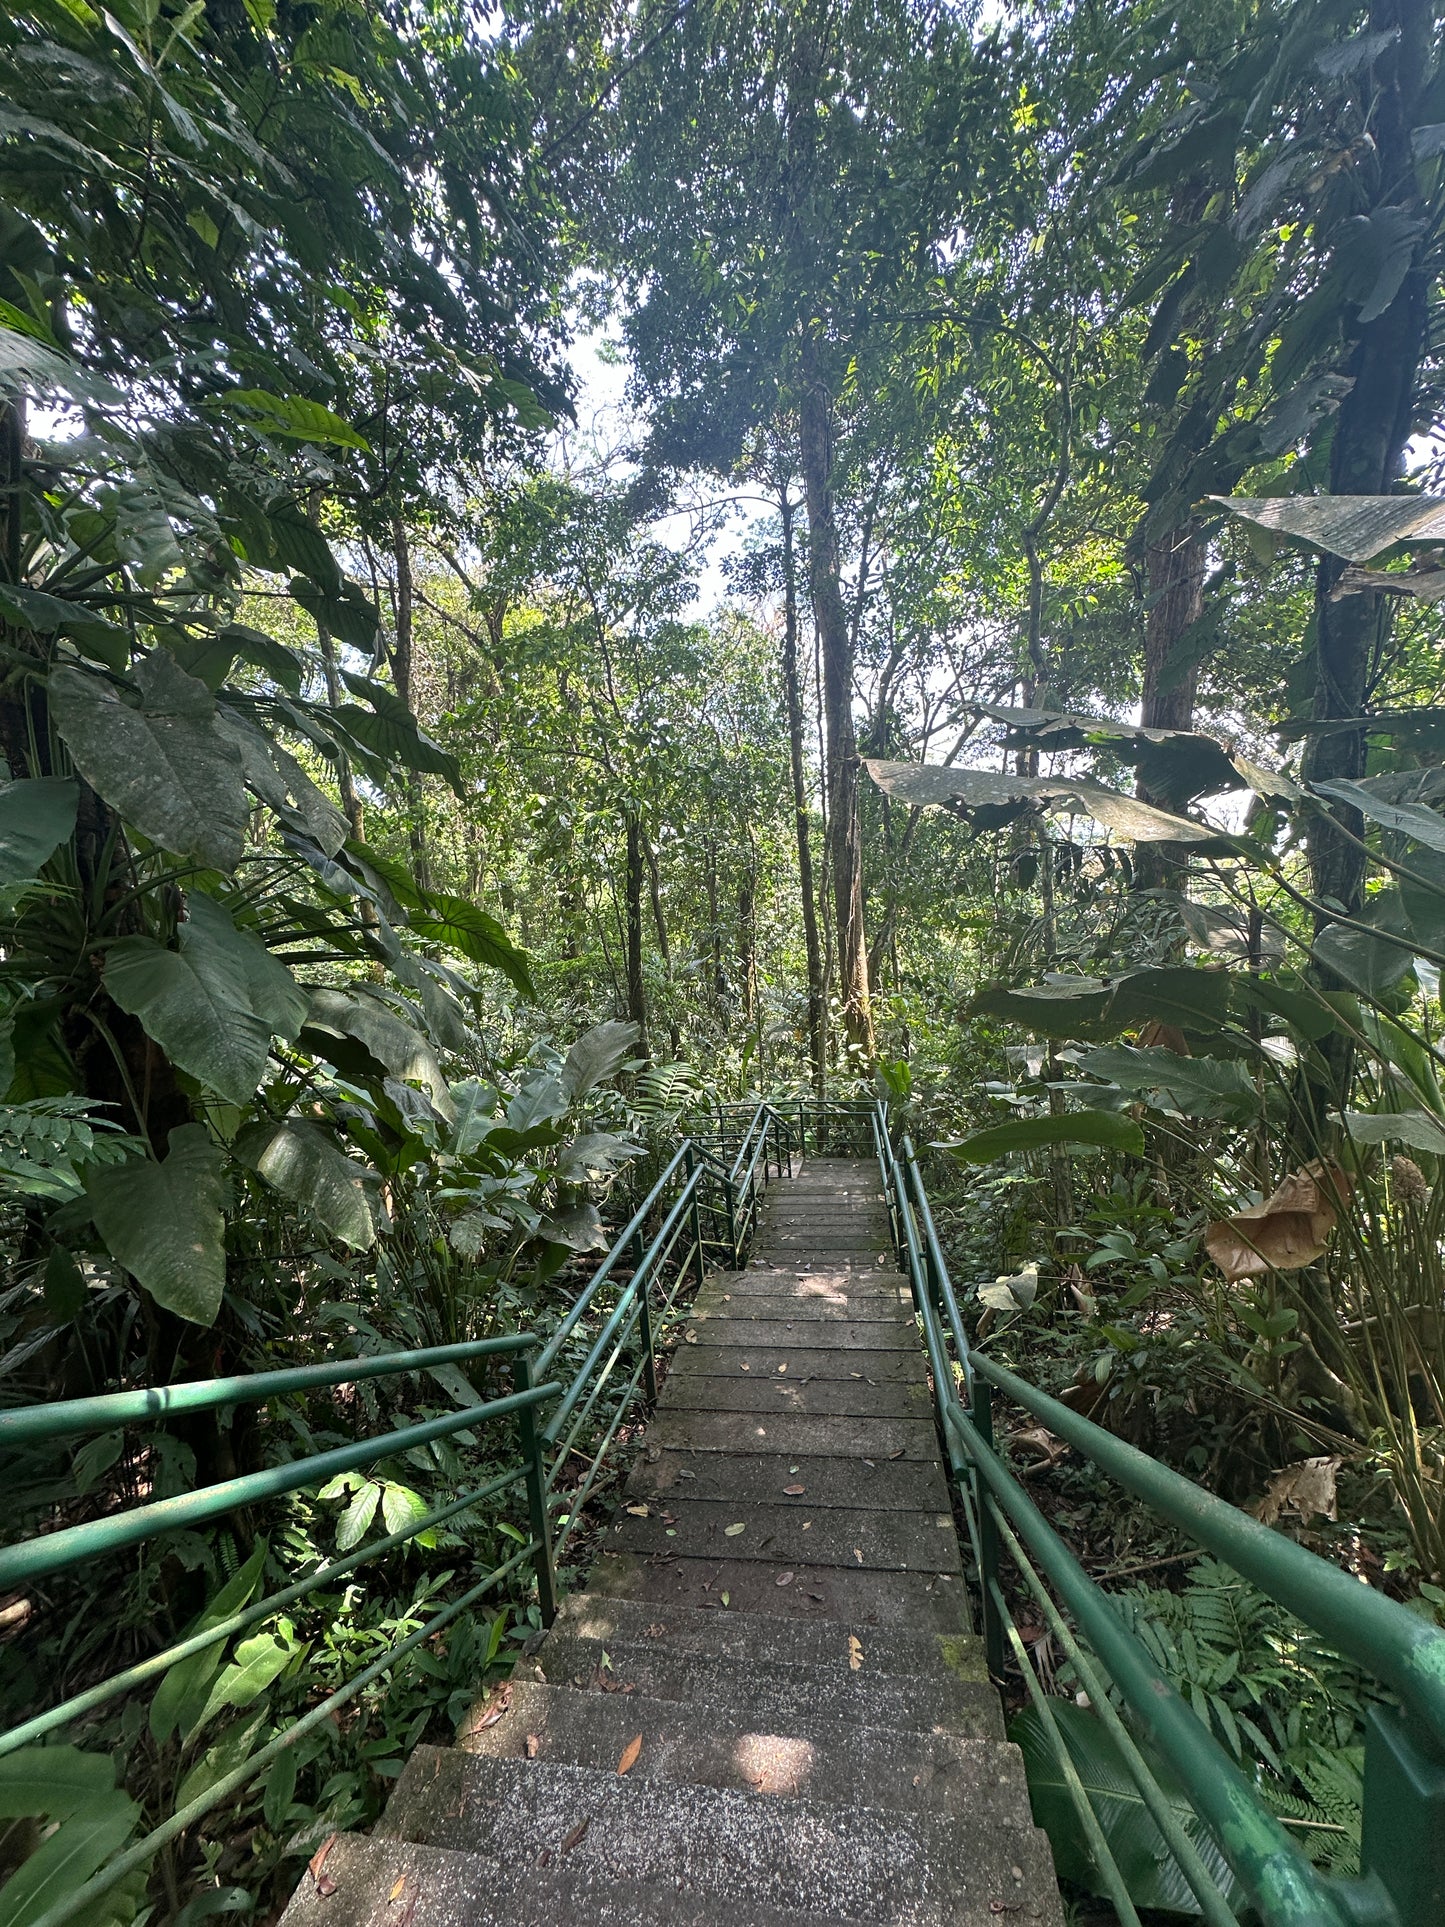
(767, 1709)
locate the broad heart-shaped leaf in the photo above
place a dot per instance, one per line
(307, 1166)
(1414, 820)
(925, 784)
(596, 1055)
(390, 732)
(37, 815)
(596, 1154)
(1197, 1086)
(52, 1782)
(1357, 527)
(462, 927)
(1150, 1872)
(166, 767)
(1107, 1128)
(579, 1227)
(163, 1222)
(1177, 764)
(1190, 997)
(342, 607)
(273, 774)
(214, 1003)
(293, 415)
(1361, 959)
(392, 1044)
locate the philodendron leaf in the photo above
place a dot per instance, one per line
(1188, 996)
(293, 415)
(1421, 1130)
(596, 1055)
(214, 1003)
(37, 815)
(310, 1168)
(1150, 1871)
(166, 766)
(387, 1040)
(938, 785)
(1106, 1128)
(462, 927)
(163, 1222)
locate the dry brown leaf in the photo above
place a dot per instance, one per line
(497, 1707)
(855, 1653)
(577, 1835)
(534, 1746)
(1289, 1230)
(325, 1885)
(783, 1579)
(397, 1891)
(782, 1368)
(1042, 1444)
(639, 1511)
(858, 1554)
(1306, 1488)
(631, 1753)
(1157, 1036)
(793, 1491)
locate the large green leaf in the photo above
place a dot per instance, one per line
(273, 774)
(392, 1044)
(294, 416)
(1414, 820)
(163, 1222)
(1197, 1086)
(390, 731)
(52, 1782)
(1421, 1130)
(1151, 1873)
(343, 607)
(934, 784)
(79, 1847)
(214, 1003)
(462, 927)
(1106, 1128)
(1357, 527)
(183, 1689)
(307, 1166)
(166, 766)
(596, 1055)
(1188, 996)
(37, 815)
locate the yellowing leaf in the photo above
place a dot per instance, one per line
(855, 1652)
(731, 1532)
(630, 1755)
(398, 1889)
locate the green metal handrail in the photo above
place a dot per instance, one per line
(665, 1244)
(1403, 1853)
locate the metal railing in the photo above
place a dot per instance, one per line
(1402, 1882)
(702, 1210)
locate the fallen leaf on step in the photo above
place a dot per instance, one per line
(325, 1885)
(731, 1532)
(783, 1579)
(534, 1746)
(782, 1368)
(745, 1367)
(690, 1338)
(397, 1891)
(792, 1491)
(807, 1525)
(496, 1707)
(858, 1554)
(630, 1756)
(577, 1835)
(855, 1653)
(638, 1511)
(727, 1599)
(896, 1455)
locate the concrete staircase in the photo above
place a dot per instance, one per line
(767, 1709)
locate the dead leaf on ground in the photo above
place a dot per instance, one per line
(783, 1579)
(577, 1835)
(1041, 1444)
(398, 1890)
(1306, 1488)
(496, 1707)
(639, 1511)
(631, 1753)
(731, 1532)
(1289, 1230)
(858, 1554)
(855, 1653)
(793, 1491)
(325, 1885)
(534, 1746)
(782, 1368)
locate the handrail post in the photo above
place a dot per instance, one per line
(644, 1323)
(699, 1260)
(981, 1414)
(730, 1200)
(1403, 1843)
(536, 1496)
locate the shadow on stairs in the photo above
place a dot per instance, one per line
(774, 1646)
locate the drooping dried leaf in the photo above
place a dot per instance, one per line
(631, 1753)
(325, 1885)
(495, 1707)
(398, 1889)
(1289, 1230)
(1306, 1488)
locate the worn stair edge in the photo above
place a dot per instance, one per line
(851, 1397)
(916, 1870)
(797, 1331)
(764, 1477)
(930, 1602)
(844, 1434)
(753, 1689)
(811, 1645)
(814, 1758)
(441, 1887)
(887, 1365)
(791, 1535)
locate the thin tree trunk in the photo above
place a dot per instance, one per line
(402, 670)
(832, 624)
(1174, 564)
(636, 985)
(817, 1003)
(346, 788)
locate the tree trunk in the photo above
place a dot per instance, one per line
(1174, 565)
(402, 671)
(817, 1004)
(636, 987)
(1371, 431)
(846, 848)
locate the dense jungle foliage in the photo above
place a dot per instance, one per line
(562, 569)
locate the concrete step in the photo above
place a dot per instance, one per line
(844, 1435)
(807, 1644)
(438, 1887)
(783, 1253)
(803, 1331)
(800, 1360)
(810, 1294)
(855, 1396)
(792, 1534)
(760, 1477)
(894, 1869)
(813, 1758)
(756, 1688)
(930, 1602)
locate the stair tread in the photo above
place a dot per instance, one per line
(845, 1434)
(827, 1480)
(912, 1868)
(840, 1761)
(802, 1332)
(792, 1535)
(929, 1602)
